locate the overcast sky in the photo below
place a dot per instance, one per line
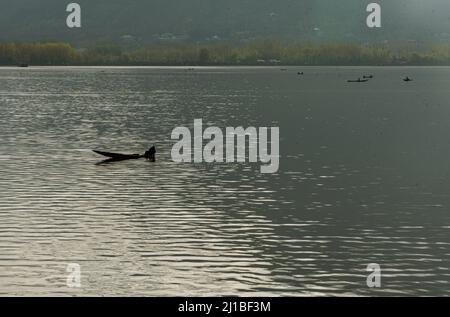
(339, 20)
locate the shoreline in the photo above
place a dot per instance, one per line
(193, 67)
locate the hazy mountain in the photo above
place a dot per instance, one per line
(139, 22)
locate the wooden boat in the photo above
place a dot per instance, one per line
(359, 80)
(118, 156)
(115, 157)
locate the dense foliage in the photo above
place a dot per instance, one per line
(266, 52)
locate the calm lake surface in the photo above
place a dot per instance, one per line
(364, 178)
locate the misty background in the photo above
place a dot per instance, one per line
(135, 23)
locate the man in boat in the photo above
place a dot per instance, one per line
(150, 154)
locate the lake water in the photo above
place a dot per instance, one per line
(364, 178)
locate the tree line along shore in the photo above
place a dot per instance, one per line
(256, 53)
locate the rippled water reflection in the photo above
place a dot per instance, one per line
(364, 178)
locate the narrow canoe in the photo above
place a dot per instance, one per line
(358, 81)
(118, 156)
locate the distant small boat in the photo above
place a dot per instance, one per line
(300, 73)
(118, 156)
(368, 76)
(407, 79)
(23, 65)
(359, 80)
(115, 157)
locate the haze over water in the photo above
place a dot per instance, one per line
(364, 178)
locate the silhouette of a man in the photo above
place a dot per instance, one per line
(150, 154)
